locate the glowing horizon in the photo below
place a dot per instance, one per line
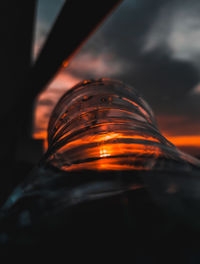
(177, 140)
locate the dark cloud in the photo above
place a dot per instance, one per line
(164, 80)
(126, 30)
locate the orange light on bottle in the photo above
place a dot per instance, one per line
(106, 125)
(103, 142)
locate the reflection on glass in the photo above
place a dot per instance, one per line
(106, 125)
(104, 150)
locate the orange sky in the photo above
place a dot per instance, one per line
(189, 143)
(114, 54)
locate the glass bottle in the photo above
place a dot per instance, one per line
(106, 125)
(107, 167)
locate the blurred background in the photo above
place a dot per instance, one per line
(152, 45)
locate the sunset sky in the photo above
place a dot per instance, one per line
(152, 45)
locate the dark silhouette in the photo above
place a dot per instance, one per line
(22, 81)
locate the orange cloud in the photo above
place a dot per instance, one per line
(47, 100)
(63, 81)
(103, 64)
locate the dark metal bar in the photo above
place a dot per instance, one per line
(16, 30)
(77, 20)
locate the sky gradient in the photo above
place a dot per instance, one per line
(152, 45)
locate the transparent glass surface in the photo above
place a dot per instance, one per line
(106, 125)
(105, 157)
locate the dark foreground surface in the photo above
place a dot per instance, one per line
(94, 226)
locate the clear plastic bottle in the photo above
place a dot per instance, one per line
(107, 167)
(106, 125)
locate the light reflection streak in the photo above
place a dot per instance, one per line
(113, 156)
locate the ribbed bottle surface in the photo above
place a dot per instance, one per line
(106, 125)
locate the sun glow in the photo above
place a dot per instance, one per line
(104, 152)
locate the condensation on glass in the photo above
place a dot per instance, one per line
(106, 125)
